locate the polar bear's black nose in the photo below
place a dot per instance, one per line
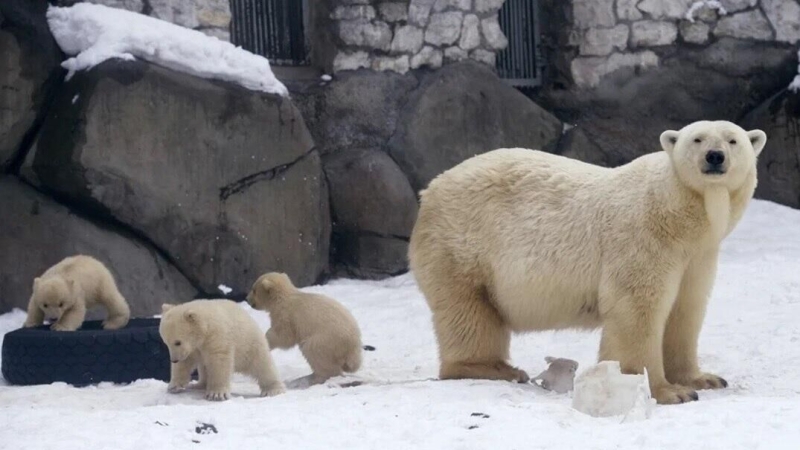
(715, 157)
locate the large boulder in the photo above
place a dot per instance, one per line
(38, 232)
(374, 210)
(222, 179)
(779, 162)
(463, 110)
(29, 69)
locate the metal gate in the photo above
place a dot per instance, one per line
(271, 28)
(520, 64)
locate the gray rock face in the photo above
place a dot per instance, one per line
(603, 41)
(746, 25)
(779, 162)
(785, 18)
(694, 33)
(407, 39)
(648, 33)
(374, 209)
(444, 28)
(41, 233)
(593, 13)
(29, 70)
(669, 9)
(222, 179)
(365, 33)
(460, 111)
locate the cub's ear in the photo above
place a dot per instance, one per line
(36, 282)
(190, 316)
(166, 307)
(668, 140)
(266, 285)
(758, 139)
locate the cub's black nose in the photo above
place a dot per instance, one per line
(715, 157)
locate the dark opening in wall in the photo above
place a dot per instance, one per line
(520, 63)
(275, 29)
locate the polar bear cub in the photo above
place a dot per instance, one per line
(517, 240)
(217, 338)
(68, 289)
(328, 335)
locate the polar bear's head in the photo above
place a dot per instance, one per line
(54, 295)
(182, 329)
(710, 153)
(268, 289)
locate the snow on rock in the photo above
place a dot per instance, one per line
(603, 391)
(794, 86)
(224, 289)
(710, 4)
(95, 33)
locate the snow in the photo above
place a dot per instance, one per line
(711, 4)
(794, 86)
(326, 77)
(95, 33)
(224, 289)
(603, 391)
(751, 337)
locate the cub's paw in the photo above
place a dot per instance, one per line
(175, 388)
(673, 394)
(113, 324)
(708, 381)
(217, 396)
(61, 327)
(273, 391)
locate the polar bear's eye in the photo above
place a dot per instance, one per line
(732, 142)
(177, 343)
(61, 305)
(45, 305)
(698, 140)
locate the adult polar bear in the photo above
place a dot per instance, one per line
(521, 240)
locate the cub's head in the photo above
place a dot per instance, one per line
(563, 365)
(268, 289)
(54, 295)
(182, 329)
(709, 153)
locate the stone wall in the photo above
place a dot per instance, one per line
(212, 17)
(408, 34)
(608, 35)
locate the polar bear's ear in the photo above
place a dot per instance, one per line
(35, 282)
(668, 140)
(166, 307)
(758, 139)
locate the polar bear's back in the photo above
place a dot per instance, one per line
(526, 224)
(232, 325)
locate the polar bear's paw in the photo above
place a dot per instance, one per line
(272, 392)
(217, 396)
(673, 394)
(708, 381)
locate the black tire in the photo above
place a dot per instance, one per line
(86, 356)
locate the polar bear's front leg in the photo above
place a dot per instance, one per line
(71, 319)
(685, 322)
(181, 374)
(35, 315)
(632, 334)
(218, 371)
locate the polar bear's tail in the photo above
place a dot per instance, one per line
(353, 361)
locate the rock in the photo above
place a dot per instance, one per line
(444, 28)
(399, 64)
(463, 5)
(593, 13)
(665, 9)
(351, 12)
(419, 11)
(407, 39)
(492, 34)
(694, 32)
(393, 12)
(29, 72)
(576, 145)
(626, 10)
(367, 256)
(42, 233)
(364, 33)
(603, 41)
(470, 32)
(452, 54)
(429, 56)
(355, 110)
(588, 71)
(179, 12)
(460, 111)
(779, 162)
(213, 13)
(483, 6)
(746, 25)
(785, 18)
(484, 56)
(648, 33)
(369, 194)
(732, 6)
(198, 167)
(350, 61)
(735, 57)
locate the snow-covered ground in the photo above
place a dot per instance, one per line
(751, 337)
(92, 34)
